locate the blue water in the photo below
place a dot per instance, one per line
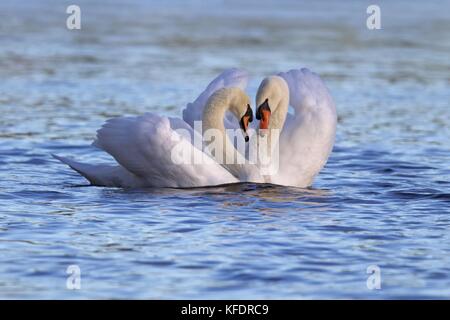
(383, 199)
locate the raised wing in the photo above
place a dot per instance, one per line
(307, 91)
(152, 148)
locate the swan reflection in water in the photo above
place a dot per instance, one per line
(238, 198)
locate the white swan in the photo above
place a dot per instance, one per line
(308, 135)
(143, 145)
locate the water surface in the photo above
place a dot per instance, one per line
(383, 198)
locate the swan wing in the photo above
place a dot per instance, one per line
(308, 135)
(229, 78)
(159, 151)
(307, 92)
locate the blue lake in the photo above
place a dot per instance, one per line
(382, 200)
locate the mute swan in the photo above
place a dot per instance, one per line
(307, 136)
(143, 145)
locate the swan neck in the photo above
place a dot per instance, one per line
(279, 115)
(214, 112)
(213, 119)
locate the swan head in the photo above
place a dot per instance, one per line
(272, 95)
(240, 107)
(245, 120)
(232, 99)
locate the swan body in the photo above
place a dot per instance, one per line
(307, 136)
(143, 146)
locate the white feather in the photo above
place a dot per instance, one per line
(308, 136)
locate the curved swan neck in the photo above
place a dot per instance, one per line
(276, 90)
(215, 109)
(213, 116)
(277, 122)
(279, 115)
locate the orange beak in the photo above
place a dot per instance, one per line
(246, 118)
(265, 118)
(245, 121)
(263, 115)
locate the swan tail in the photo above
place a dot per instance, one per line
(86, 170)
(102, 174)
